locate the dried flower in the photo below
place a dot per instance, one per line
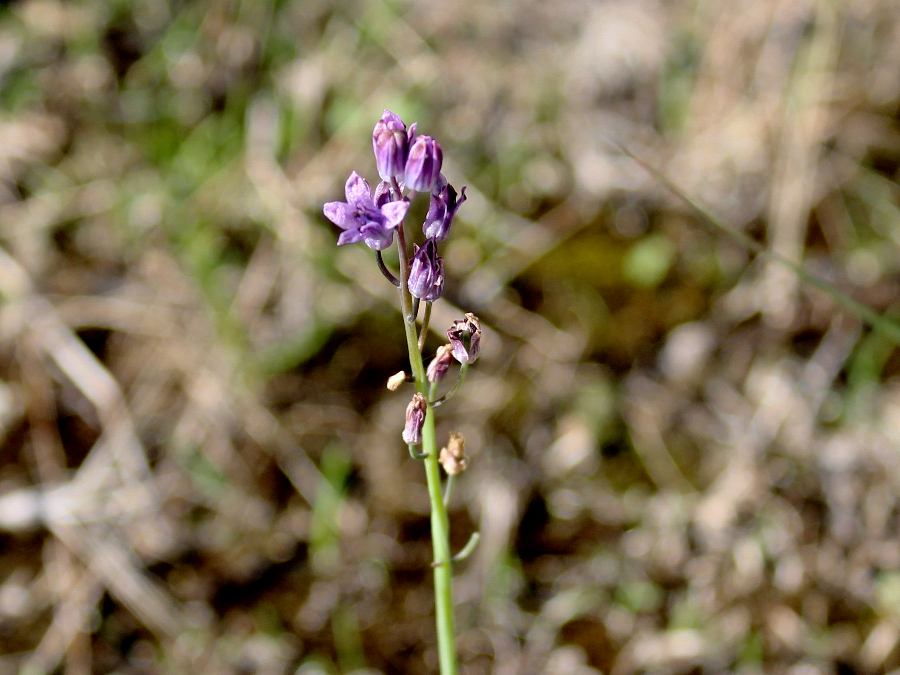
(426, 272)
(391, 145)
(423, 166)
(442, 209)
(453, 457)
(363, 220)
(465, 338)
(439, 365)
(415, 418)
(395, 380)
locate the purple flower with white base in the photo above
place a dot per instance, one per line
(442, 209)
(362, 219)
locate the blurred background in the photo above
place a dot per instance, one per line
(684, 459)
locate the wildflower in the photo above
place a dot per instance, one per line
(426, 272)
(453, 457)
(364, 220)
(465, 338)
(442, 208)
(440, 364)
(415, 418)
(391, 145)
(423, 166)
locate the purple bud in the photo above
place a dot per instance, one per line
(465, 339)
(391, 145)
(440, 364)
(424, 164)
(442, 208)
(415, 418)
(426, 272)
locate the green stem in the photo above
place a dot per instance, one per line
(440, 526)
(450, 394)
(423, 334)
(448, 491)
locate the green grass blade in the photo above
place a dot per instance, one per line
(885, 325)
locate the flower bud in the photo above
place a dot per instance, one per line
(453, 457)
(395, 380)
(423, 166)
(465, 338)
(391, 145)
(426, 272)
(440, 364)
(441, 209)
(415, 418)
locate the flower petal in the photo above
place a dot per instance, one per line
(376, 236)
(382, 194)
(339, 213)
(349, 237)
(394, 212)
(357, 189)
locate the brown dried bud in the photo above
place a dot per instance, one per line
(440, 363)
(465, 338)
(453, 457)
(395, 380)
(415, 418)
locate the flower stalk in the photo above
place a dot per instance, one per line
(440, 526)
(410, 163)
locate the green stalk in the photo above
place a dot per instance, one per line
(440, 526)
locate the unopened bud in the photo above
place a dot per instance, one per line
(415, 418)
(423, 164)
(426, 272)
(391, 145)
(442, 209)
(465, 338)
(453, 457)
(440, 363)
(395, 380)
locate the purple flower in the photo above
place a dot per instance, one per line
(391, 145)
(424, 164)
(442, 209)
(465, 338)
(415, 418)
(426, 272)
(364, 220)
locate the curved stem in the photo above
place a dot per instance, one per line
(385, 271)
(415, 454)
(470, 546)
(456, 385)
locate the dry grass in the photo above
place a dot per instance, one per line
(684, 459)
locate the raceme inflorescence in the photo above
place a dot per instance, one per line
(408, 164)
